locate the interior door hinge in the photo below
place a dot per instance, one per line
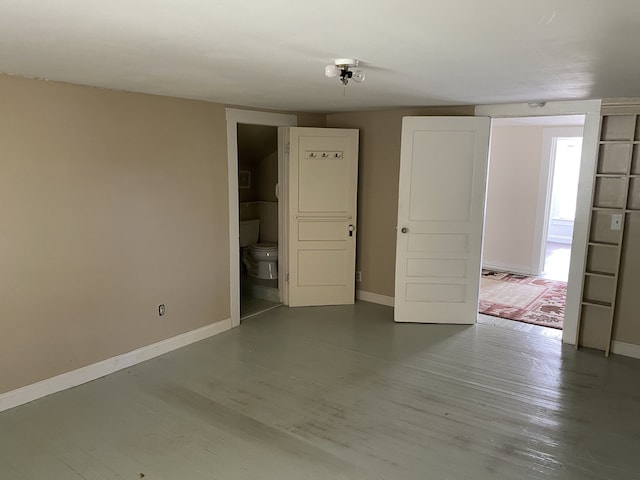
(287, 278)
(287, 147)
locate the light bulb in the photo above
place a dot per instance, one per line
(358, 76)
(331, 71)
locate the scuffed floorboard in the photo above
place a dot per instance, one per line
(341, 393)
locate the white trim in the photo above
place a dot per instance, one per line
(545, 188)
(86, 374)
(545, 183)
(283, 213)
(261, 311)
(558, 239)
(511, 268)
(626, 349)
(234, 117)
(375, 298)
(571, 107)
(591, 110)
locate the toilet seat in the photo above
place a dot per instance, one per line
(266, 247)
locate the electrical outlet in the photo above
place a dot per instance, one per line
(358, 276)
(161, 309)
(616, 221)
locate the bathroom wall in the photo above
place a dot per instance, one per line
(258, 154)
(267, 177)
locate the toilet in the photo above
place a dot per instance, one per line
(261, 259)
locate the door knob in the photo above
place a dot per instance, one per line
(404, 229)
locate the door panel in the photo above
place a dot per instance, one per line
(321, 230)
(435, 293)
(431, 267)
(323, 176)
(322, 268)
(443, 168)
(447, 184)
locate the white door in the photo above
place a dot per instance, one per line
(323, 178)
(443, 172)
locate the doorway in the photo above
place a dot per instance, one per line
(564, 170)
(234, 118)
(258, 218)
(531, 201)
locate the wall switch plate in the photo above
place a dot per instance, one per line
(161, 309)
(358, 276)
(616, 221)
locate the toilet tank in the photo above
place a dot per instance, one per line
(249, 232)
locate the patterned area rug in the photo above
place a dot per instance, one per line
(522, 298)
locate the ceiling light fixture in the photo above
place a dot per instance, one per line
(341, 68)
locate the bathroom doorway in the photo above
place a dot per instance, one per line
(258, 218)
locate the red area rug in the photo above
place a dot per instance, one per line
(523, 298)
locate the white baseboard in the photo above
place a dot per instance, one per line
(505, 267)
(375, 298)
(626, 349)
(92, 372)
(559, 239)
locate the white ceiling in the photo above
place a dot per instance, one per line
(271, 54)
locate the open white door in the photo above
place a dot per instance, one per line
(323, 178)
(443, 172)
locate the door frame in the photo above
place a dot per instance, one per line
(549, 136)
(234, 117)
(591, 110)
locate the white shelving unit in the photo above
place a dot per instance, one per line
(616, 197)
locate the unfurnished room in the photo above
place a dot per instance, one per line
(319, 240)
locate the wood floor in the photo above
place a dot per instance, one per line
(341, 393)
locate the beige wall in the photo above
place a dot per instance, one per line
(379, 166)
(312, 120)
(111, 203)
(627, 322)
(512, 196)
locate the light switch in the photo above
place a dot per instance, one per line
(616, 221)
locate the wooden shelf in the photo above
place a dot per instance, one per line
(603, 244)
(600, 274)
(609, 209)
(596, 303)
(617, 175)
(614, 190)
